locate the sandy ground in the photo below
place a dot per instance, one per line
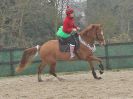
(114, 85)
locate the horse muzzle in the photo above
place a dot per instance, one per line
(102, 43)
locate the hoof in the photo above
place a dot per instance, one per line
(101, 72)
(60, 79)
(98, 78)
(40, 80)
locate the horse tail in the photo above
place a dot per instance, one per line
(27, 57)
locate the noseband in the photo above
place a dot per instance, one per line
(97, 37)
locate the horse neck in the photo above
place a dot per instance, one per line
(88, 39)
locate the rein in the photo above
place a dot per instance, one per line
(93, 49)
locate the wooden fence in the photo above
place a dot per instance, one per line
(107, 58)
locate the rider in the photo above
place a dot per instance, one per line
(69, 27)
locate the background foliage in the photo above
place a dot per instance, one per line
(24, 23)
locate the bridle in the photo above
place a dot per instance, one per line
(97, 37)
(87, 44)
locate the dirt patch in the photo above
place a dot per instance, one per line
(114, 85)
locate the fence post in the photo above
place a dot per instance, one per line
(107, 55)
(11, 62)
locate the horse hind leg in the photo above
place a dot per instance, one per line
(52, 71)
(40, 69)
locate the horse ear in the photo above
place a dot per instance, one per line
(93, 26)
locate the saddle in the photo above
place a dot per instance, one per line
(64, 44)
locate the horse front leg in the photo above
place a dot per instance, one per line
(94, 58)
(93, 70)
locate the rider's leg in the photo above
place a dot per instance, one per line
(71, 41)
(72, 50)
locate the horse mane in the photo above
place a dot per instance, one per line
(85, 30)
(89, 28)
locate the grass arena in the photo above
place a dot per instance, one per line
(116, 84)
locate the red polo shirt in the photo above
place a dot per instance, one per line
(68, 24)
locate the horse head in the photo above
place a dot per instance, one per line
(92, 33)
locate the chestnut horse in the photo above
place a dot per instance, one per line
(49, 52)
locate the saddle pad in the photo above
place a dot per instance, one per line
(64, 46)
